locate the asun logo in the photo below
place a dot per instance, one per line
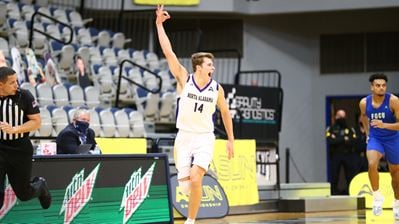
(251, 109)
(365, 190)
(211, 197)
(10, 199)
(136, 191)
(78, 193)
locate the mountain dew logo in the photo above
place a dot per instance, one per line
(78, 193)
(136, 190)
(10, 199)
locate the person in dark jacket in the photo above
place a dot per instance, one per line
(76, 133)
(341, 140)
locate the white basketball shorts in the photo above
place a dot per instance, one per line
(193, 148)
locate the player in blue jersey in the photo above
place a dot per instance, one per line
(199, 95)
(380, 117)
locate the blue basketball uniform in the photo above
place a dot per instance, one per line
(383, 140)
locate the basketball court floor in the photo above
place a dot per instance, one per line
(339, 217)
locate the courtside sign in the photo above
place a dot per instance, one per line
(97, 189)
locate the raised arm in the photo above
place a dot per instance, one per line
(227, 122)
(177, 70)
(363, 116)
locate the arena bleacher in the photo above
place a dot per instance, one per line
(102, 51)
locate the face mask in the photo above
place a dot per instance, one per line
(341, 122)
(82, 126)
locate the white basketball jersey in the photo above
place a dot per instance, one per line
(195, 106)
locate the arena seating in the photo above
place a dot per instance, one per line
(101, 51)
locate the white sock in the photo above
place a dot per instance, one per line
(377, 194)
(395, 203)
(189, 221)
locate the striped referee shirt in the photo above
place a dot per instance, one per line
(14, 110)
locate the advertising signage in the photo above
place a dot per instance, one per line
(97, 189)
(214, 203)
(259, 109)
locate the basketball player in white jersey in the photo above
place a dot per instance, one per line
(199, 95)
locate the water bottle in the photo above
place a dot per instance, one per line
(39, 150)
(96, 151)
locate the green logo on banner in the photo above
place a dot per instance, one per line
(77, 194)
(10, 199)
(136, 190)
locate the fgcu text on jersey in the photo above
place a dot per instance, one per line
(78, 193)
(136, 190)
(10, 199)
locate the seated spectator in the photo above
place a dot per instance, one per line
(81, 74)
(77, 133)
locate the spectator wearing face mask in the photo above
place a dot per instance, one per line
(77, 133)
(341, 140)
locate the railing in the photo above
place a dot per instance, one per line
(33, 29)
(266, 78)
(263, 78)
(266, 146)
(120, 76)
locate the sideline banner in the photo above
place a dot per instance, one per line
(360, 186)
(259, 108)
(214, 203)
(97, 189)
(167, 2)
(122, 145)
(237, 175)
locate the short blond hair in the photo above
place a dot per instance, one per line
(198, 58)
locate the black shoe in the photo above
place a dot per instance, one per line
(44, 196)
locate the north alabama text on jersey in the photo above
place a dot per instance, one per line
(200, 98)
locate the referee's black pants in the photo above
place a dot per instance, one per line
(16, 162)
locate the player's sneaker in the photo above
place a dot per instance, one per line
(189, 222)
(44, 196)
(396, 212)
(377, 205)
(395, 209)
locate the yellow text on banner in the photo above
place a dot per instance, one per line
(122, 145)
(167, 2)
(360, 186)
(238, 175)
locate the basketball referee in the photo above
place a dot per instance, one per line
(19, 114)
